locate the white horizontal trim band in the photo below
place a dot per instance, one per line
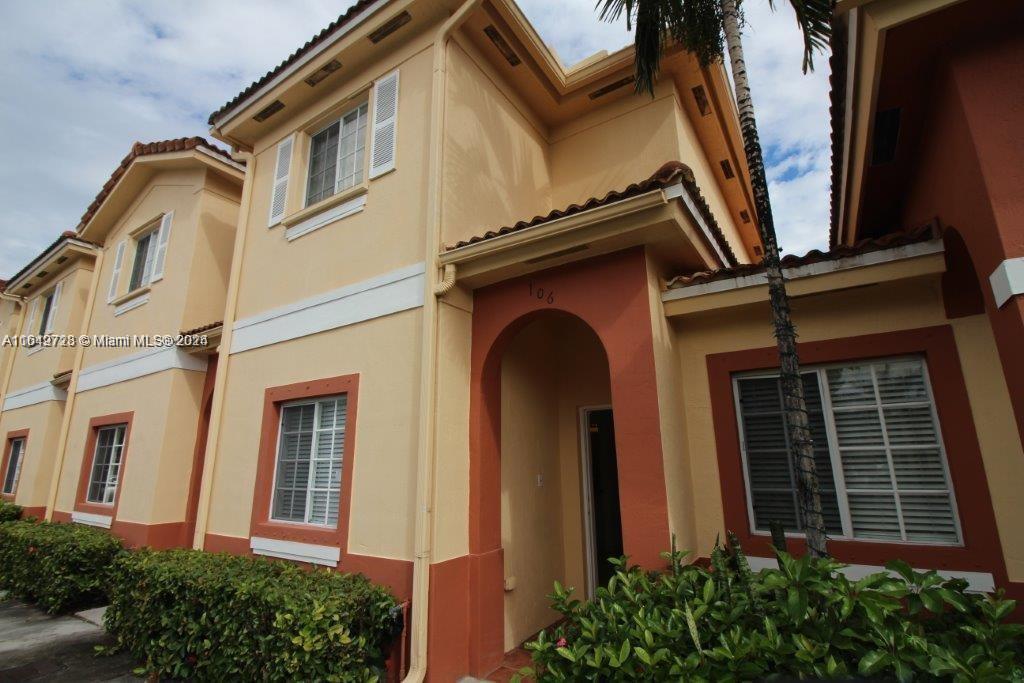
(1007, 280)
(131, 304)
(977, 582)
(37, 393)
(102, 521)
(326, 217)
(326, 555)
(824, 267)
(139, 364)
(399, 290)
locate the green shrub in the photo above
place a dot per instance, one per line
(59, 566)
(9, 512)
(805, 619)
(202, 616)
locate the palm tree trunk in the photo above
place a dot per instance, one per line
(785, 334)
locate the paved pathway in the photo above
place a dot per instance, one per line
(35, 646)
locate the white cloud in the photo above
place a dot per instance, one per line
(83, 79)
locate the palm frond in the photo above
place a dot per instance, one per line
(695, 24)
(814, 17)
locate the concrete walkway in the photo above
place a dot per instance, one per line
(35, 646)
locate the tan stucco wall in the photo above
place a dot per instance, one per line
(551, 370)
(154, 482)
(908, 304)
(388, 234)
(385, 352)
(40, 366)
(43, 422)
(193, 288)
(10, 323)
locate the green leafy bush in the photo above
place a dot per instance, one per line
(805, 619)
(202, 616)
(9, 512)
(59, 566)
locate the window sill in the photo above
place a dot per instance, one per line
(323, 213)
(33, 350)
(91, 519)
(132, 299)
(327, 556)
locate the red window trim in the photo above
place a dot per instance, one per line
(981, 550)
(261, 524)
(95, 424)
(11, 436)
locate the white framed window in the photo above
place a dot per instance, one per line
(47, 318)
(307, 471)
(145, 256)
(337, 156)
(106, 464)
(15, 455)
(878, 449)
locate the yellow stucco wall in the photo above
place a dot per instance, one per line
(385, 353)
(43, 422)
(908, 304)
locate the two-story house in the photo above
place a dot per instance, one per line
(479, 320)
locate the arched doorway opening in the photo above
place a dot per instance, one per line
(560, 517)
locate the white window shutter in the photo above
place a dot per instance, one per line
(32, 317)
(161, 247)
(385, 125)
(114, 276)
(279, 193)
(53, 306)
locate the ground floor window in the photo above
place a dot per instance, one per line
(15, 452)
(878, 451)
(106, 464)
(307, 479)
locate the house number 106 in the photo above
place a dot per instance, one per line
(542, 294)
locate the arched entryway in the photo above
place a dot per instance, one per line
(600, 305)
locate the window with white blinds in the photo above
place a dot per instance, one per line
(878, 452)
(337, 156)
(310, 451)
(106, 464)
(16, 449)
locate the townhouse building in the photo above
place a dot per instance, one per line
(477, 321)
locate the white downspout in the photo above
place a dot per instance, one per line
(428, 381)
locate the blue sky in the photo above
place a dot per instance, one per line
(84, 79)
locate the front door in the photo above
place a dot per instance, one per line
(606, 528)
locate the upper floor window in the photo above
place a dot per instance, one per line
(878, 452)
(15, 451)
(337, 156)
(145, 251)
(48, 310)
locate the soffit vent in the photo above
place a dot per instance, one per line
(503, 47)
(268, 111)
(744, 216)
(758, 251)
(887, 135)
(390, 26)
(727, 169)
(622, 82)
(323, 72)
(701, 98)
(42, 273)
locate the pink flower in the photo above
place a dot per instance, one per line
(561, 642)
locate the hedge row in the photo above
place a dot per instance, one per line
(805, 620)
(59, 566)
(203, 616)
(9, 512)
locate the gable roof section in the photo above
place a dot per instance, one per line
(61, 239)
(896, 239)
(669, 174)
(140, 149)
(338, 23)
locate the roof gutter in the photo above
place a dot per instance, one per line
(426, 460)
(299, 64)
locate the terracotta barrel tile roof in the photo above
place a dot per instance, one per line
(343, 19)
(140, 149)
(669, 174)
(202, 328)
(66, 235)
(894, 239)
